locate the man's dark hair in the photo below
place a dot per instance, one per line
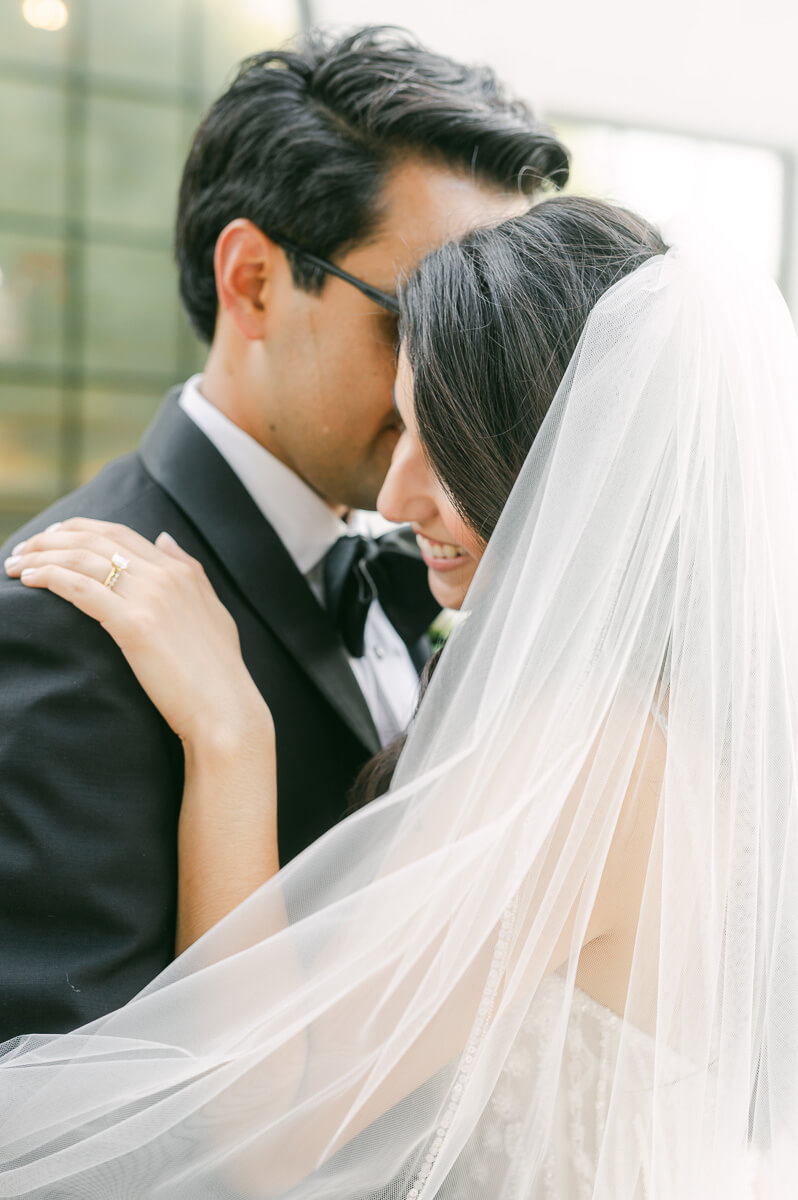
(301, 143)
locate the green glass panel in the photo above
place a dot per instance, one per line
(32, 294)
(32, 149)
(131, 310)
(134, 157)
(113, 425)
(137, 43)
(29, 442)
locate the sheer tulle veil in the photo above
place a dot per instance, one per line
(605, 758)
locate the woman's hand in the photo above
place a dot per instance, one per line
(162, 612)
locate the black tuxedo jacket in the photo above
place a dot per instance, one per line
(91, 776)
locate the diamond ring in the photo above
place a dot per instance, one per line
(118, 564)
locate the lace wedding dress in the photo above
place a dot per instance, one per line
(590, 1054)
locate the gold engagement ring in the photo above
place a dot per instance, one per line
(118, 564)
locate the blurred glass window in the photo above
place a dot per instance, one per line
(32, 294)
(97, 119)
(121, 136)
(32, 158)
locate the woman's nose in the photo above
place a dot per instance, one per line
(406, 494)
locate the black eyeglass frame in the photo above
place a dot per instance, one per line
(384, 299)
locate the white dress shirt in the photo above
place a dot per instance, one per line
(308, 527)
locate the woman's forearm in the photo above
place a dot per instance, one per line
(227, 836)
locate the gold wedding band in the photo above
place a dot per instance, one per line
(118, 564)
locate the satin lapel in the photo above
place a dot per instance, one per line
(179, 456)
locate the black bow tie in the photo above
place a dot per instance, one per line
(359, 570)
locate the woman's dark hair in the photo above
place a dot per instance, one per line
(490, 324)
(301, 143)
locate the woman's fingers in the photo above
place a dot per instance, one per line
(90, 548)
(80, 541)
(83, 562)
(84, 592)
(74, 541)
(103, 537)
(122, 536)
(168, 545)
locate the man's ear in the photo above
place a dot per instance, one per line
(244, 261)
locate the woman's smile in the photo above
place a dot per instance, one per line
(441, 556)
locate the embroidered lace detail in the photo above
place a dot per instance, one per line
(581, 1106)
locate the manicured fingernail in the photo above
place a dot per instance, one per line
(11, 562)
(52, 528)
(163, 536)
(28, 574)
(20, 546)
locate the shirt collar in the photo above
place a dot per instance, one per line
(304, 523)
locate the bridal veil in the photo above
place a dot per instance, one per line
(593, 826)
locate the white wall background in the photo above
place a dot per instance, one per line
(727, 68)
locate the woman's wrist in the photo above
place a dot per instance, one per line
(228, 733)
(227, 832)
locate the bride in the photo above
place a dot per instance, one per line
(553, 951)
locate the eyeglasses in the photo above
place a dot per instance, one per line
(384, 299)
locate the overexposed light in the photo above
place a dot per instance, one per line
(50, 15)
(734, 190)
(259, 10)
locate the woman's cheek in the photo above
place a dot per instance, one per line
(459, 531)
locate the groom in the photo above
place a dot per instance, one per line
(313, 184)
